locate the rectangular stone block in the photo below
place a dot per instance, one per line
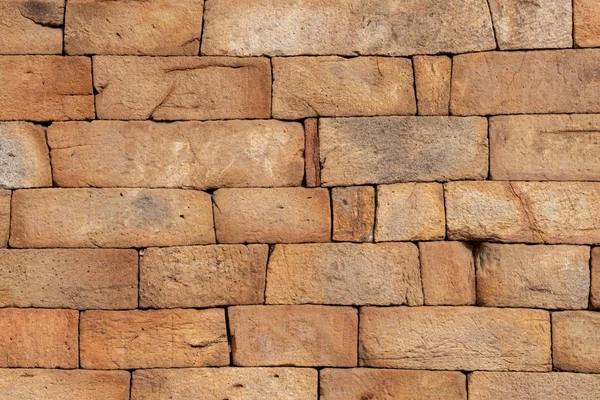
(182, 88)
(311, 153)
(153, 339)
(455, 338)
(595, 277)
(111, 218)
(5, 200)
(353, 213)
(345, 274)
(432, 82)
(575, 338)
(299, 336)
(190, 154)
(586, 15)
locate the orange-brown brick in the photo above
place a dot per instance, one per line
(432, 82)
(575, 338)
(586, 14)
(595, 290)
(5, 197)
(353, 213)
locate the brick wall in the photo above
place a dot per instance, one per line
(299, 199)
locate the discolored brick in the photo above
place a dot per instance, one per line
(432, 82)
(353, 213)
(575, 337)
(586, 15)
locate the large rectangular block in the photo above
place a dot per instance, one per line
(575, 338)
(5, 200)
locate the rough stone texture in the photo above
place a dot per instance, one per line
(529, 82)
(529, 212)
(311, 152)
(274, 215)
(362, 383)
(337, 87)
(110, 218)
(349, 27)
(410, 211)
(595, 289)
(182, 154)
(455, 338)
(357, 151)
(545, 147)
(153, 339)
(150, 27)
(586, 14)
(532, 24)
(5, 197)
(432, 80)
(575, 338)
(293, 335)
(80, 279)
(203, 276)
(448, 273)
(44, 88)
(345, 274)
(182, 88)
(353, 213)
(29, 384)
(31, 338)
(518, 275)
(225, 383)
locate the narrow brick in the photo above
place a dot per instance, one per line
(358, 151)
(272, 215)
(344, 274)
(31, 338)
(153, 339)
(110, 218)
(353, 213)
(311, 153)
(190, 154)
(575, 338)
(595, 288)
(293, 335)
(586, 14)
(432, 76)
(5, 197)
(455, 338)
(182, 88)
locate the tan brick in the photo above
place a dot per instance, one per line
(153, 339)
(203, 276)
(33, 338)
(586, 14)
(531, 82)
(5, 197)
(182, 88)
(225, 383)
(272, 215)
(110, 218)
(44, 88)
(29, 384)
(345, 274)
(368, 383)
(545, 147)
(74, 278)
(150, 27)
(183, 154)
(311, 152)
(353, 213)
(358, 151)
(448, 273)
(595, 289)
(529, 212)
(337, 87)
(539, 276)
(410, 211)
(575, 338)
(293, 335)
(455, 338)
(432, 79)
(349, 27)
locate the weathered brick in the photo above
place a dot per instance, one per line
(203, 276)
(272, 215)
(293, 335)
(345, 274)
(448, 273)
(545, 147)
(353, 213)
(311, 152)
(575, 338)
(586, 14)
(595, 288)
(357, 151)
(410, 211)
(368, 383)
(225, 383)
(33, 338)
(531, 82)
(539, 276)
(44, 88)
(74, 278)
(150, 27)
(350, 27)
(110, 218)
(182, 88)
(5, 197)
(153, 339)
(455, 338)
(183, 154)
(337, 87)
(432, 80)
(529, 212)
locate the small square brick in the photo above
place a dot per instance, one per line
(432, 74)
(575, 341)
(353, 213)
(586, 14)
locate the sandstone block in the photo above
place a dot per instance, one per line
(575, 338)
(595, 289)
(586, 15)
(311, 152)
(5, 197)
(432, 76)
(353, 213)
